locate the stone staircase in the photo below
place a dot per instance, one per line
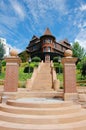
(43, 80)
(62, 115)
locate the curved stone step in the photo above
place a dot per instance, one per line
(43, 119)
(81, 125)
(35, 94)
(40, 111)
(39, 104)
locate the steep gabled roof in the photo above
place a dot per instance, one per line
(34, 37)
(47, 32)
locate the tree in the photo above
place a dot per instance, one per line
(2, 52)
(83, 67)
(78, 51)
(24, 56)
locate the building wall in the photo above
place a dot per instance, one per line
(6, 46)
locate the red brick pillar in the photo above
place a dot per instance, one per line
(11, 77)
(70, 91)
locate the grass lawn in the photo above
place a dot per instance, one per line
(24, 76)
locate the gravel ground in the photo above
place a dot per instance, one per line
(38, 100)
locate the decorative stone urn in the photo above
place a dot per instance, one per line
(13, 53)
(68, 53)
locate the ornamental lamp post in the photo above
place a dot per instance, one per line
(59, 61)
(29, 61)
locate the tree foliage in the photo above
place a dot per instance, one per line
(78, 51)
(24, 56)
(3, 63)
(2, 52)
(83, 67)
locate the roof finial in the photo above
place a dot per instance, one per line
(47, 31)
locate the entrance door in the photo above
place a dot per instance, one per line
(47, 58)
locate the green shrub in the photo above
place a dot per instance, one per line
(36, 59)
(55, 59)
(24, 64)
(2, 75)
(1, 82)
(58, 67)
(23, 76)
(21, 84)
(28, 69)
(34, 64)
(3, 63)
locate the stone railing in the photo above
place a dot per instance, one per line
(55, 81)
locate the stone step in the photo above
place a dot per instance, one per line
(43, 70)
(40, 111)
(43, 87)
(43, 80)
(46, 77)
(80, 125)
(42, 84)
(36, 104)
(41, 119)
(34, 93)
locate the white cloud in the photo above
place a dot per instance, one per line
(39, 9)
(8, 21)
(18, 8)
(81, 24)
(59, 5)
(81, 38)
(83, 7)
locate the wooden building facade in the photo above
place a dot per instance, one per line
(46, 47)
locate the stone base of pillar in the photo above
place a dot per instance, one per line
(71, 96)
(8, 96)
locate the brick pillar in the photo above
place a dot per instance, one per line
(11, 77)
(70, 90)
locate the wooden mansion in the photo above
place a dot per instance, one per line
(46, 47)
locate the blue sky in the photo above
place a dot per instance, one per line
(21, 19)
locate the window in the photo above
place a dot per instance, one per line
(47, 41)
(44, 49)
(49, 49)
(62, 48)
(34, 47)
(55, 45)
